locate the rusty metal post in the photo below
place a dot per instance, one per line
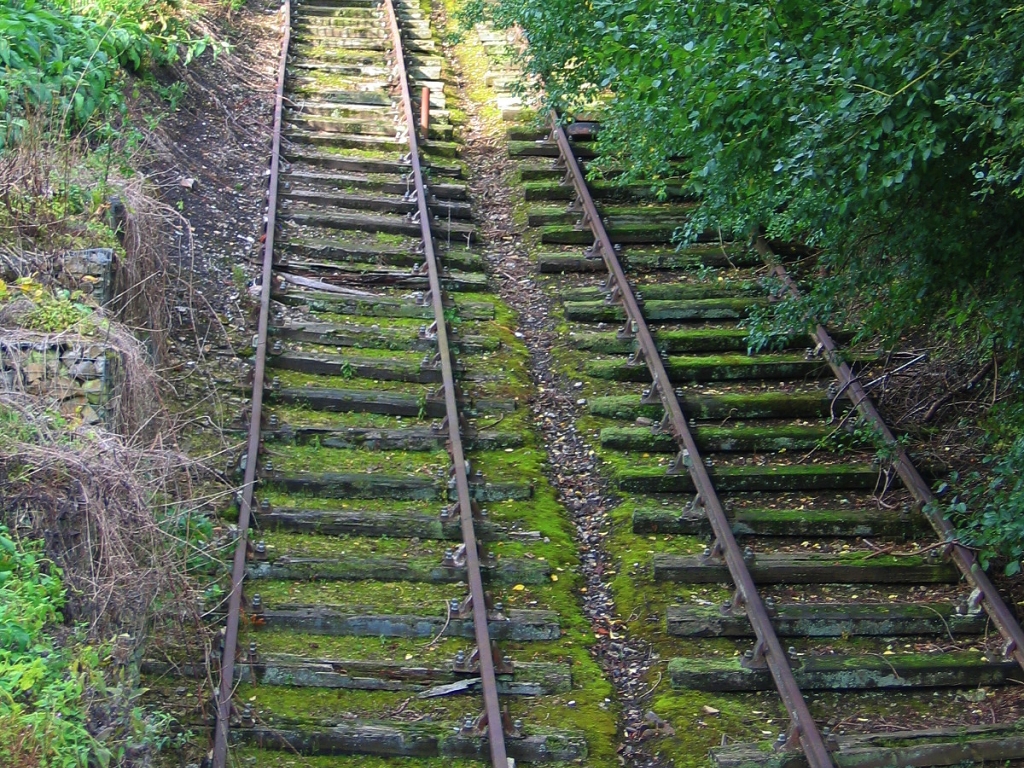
(424, 111)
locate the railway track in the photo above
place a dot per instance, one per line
(772, 473)
(406, 587)
(397, 597)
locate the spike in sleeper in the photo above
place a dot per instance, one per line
(652, 396)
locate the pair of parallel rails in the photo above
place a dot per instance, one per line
(768, 650)
(477, 601)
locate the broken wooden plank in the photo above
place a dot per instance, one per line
(526, 678)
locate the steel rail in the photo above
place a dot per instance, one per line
(489, 684)
(767, 642)
(964, 558)
(227, 668)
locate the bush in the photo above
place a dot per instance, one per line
(886, 136)
(989, 509)
(68, 58)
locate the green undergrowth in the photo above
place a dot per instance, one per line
(702, 720)
(69, 61)
(55, 684)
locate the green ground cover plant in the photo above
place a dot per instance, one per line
(58, 697)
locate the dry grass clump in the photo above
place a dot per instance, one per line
(112, 502)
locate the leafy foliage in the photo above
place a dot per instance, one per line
(68, 57)
(891, 134)
(60, 704)
(41, 722)
(989, 510)
(888, 136)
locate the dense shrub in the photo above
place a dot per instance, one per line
(67, 58)
(888, 136)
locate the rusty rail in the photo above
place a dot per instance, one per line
(227, 669)
(492, 711)
(767, 650)
(965, 560)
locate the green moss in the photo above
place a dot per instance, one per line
(297, 380)
(387, 649)
(701, 720)
(385, 238)
(297, 415)
(315, 459)
(302, 545)
(297, 501)
(250, 757)
(373, 597)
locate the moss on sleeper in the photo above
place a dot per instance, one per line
(280, 500)
(298, 380)
(300, 416)
(303, 545)
(316, 459)
(257, 758)
(370, 597)
(415, 651)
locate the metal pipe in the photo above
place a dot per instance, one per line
(492, 711)
(803, 724)
(227, 669)
(964, 558)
